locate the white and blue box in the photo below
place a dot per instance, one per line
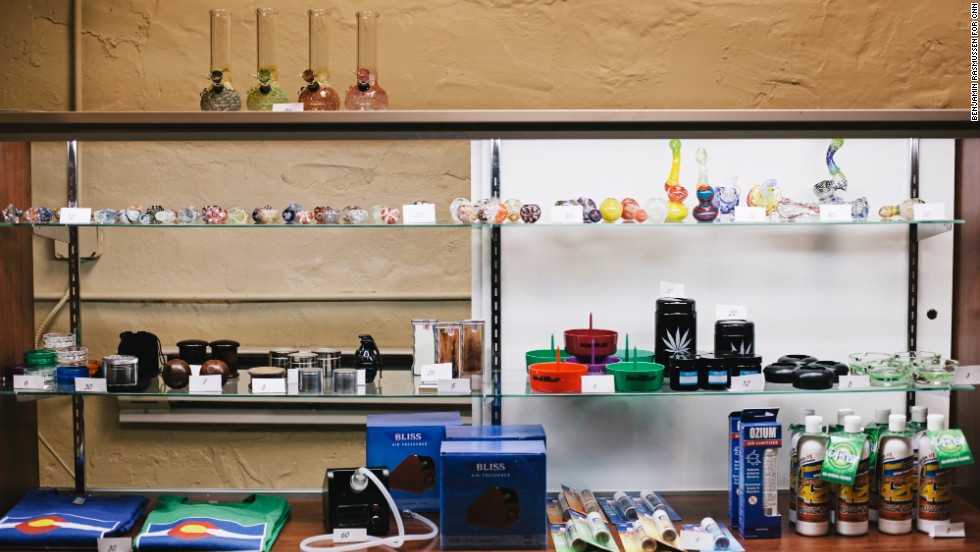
(509, 432)
(759, 439)
(494, 495)
(408, 445)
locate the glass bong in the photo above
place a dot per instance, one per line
(317, 94)
(676, 194)
(366, 94)
(268, 91)
(220, 96)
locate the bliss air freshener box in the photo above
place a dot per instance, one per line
(494, 495)
(512, 432)
(408, 445)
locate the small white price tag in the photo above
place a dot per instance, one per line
(75, 215)
(361, 379)
(854, 382)
(599, 384)
(296, 106)
(115, 545)
(951, 530)
(566, 214)
(269, 386)
(205, 384)
(292, 377)
(90, 385)
(28, 383)
(195, 369)
(436, 372)
(835, 213)
(731, 312)
(351, 534)
(929, 211)
(751, 382)
(696, 540)
(671, 289)
(967, 375)
(419, 214)
(455, 385)
(750, 214)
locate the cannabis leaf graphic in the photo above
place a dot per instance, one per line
(743, 348)
(677, 343)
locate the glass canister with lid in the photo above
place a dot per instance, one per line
(44, 363)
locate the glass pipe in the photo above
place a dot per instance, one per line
(706, 210)
(676, 194)
(317, 94)
(726, 199)
(268, 91)
(366, 94)
(765, 195)
(220, 96)
(826, 190)
(905, 210)
(795, 211)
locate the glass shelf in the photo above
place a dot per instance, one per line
(522, 390)
(689, 224)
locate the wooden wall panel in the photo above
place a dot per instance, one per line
(18, 420)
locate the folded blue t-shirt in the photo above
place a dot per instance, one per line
(49, 518)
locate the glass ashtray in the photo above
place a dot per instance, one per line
(890, 373)
(859, 362)
(938, 373)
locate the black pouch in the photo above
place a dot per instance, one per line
(145, 347)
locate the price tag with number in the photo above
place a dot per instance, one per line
(731, 312)
(566, 214)
(835, 213)
(205, 384)
(293, 106)
(268, 386)
(90, 385)
(455, 385)
(929, 211)
(351, 534)
(361, 379)
(948, 530)
(750, 214)
(696, 540)
(967, 375)
(854, 382)
(115, 545)
(28, 383)
(598, 384)
(436, 372)
(671, 289)
(75, 215)
(419, 214)
(749, 383)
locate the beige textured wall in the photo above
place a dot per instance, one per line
(434, 54)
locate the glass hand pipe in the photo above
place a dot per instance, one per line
(826, 190)
(706, 210)
(268, 91)
(317, 94)
(726, 199)
(220, 95)
(366, 94)
(904, 210)
(676, 194)
(795, 211)
(765, 195)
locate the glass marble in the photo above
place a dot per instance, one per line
(305, 217)
(352, 214)
(165, 217)
(676, 194)
(105, 216)
(530, 213)
(188, 215)
(324, 214)
(382, 214)
(214, 214)
(513, 207)
(12, 214)
(237, 215)
(611, 209)
(132, 213)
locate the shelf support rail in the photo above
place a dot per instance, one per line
(75, 314)
(495, 291)
(913, 266)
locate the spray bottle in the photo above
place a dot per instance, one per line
(895, 486)
(874, 430)
(812, 493)
(851, 504)
(916, 425)
(795, 430)
(935, 484)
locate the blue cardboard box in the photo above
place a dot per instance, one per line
(733, 466)
(408, 445)
(513, 432)
(759, 440)
(494, 495)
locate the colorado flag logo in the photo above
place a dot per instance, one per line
(203, 533)
(45, 523)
